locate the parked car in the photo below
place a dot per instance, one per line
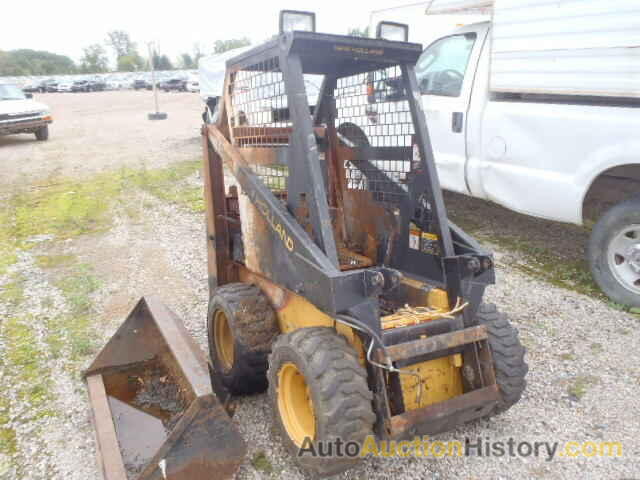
(81, 86)
(97, 85)
(64, 87)
(193, 85)
(31, 87)
(49, 86)
(113, 85)
(174, 84)
(141, 84)
(544, 126)
(19, 113)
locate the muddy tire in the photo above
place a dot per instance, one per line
(508, 356)
(614, 253)
(42, 134)
(336, 384)
(242, 326)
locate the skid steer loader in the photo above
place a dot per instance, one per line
(336, 280)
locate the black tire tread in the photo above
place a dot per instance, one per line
(343, 401)
(624, 213)
(508, 356)
(254, 326)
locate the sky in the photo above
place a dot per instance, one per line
(66, 26)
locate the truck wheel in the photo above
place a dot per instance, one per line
(508, 356)
(42, 134)
(241, 328)
(614, 253)
(319, 391)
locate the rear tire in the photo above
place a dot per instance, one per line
(336, 393)
(239, 349)
(508, 356)
(42, 134)
(611, 269)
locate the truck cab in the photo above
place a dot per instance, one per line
(543, 154)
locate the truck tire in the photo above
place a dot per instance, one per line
(508, 356)
(318, 390)
(42, 134)
(241, 326)
(614, 253)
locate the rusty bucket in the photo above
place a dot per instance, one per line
(154, 411)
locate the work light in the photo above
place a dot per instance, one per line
(291, 20)
(398, 32)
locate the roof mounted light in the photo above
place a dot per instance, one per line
(398, 32)
(297, 20)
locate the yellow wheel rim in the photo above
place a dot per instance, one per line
(224, 339)
(295, 404)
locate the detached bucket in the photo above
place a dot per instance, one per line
(154, 411)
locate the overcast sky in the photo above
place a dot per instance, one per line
(66, 26)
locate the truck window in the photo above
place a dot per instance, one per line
(441, 67)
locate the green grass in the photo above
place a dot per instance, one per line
(64, 209)
(165, 184)
(53, 261)
(580, 385)
(75, 329)
(12, 292)
(68, 208)
(261, 463)
(26, 362)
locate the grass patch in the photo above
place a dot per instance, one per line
(75, 330)
(26, 364)
(54, 261)
(579, 386)
(12, 292)
(69, 208)
(165, 184)
(546, 265)
(261, 463)
(8, 444)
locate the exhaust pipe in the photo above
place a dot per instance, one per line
(155, 414)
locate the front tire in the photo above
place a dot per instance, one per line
(242, 326)
(42, 134)
(508, 356)
(318, 390)
(614, 253)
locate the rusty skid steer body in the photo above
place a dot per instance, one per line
(154, 411)
(328, 237)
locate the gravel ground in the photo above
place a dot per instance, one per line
(97, 131)
(573, 340)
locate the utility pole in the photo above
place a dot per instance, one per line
(157, 115)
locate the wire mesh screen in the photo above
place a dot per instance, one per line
(259, 118)
(374, 119)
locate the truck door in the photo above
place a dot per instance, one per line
(445, 72)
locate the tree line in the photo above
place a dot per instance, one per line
(26, 62)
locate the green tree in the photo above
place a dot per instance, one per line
(121, 43)
(34, 62)
(161, 62)
(131, 63)
(186, 61)
(197, 54)
(356, 32)
(224, 45)
(94, 59)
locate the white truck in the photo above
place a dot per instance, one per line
(538, 110)
(19, 113)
